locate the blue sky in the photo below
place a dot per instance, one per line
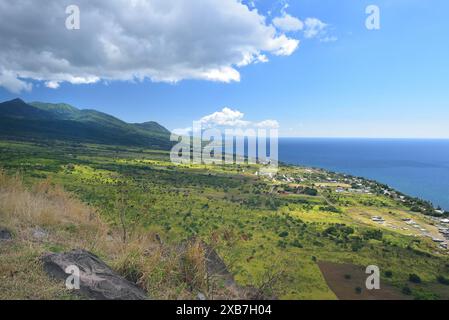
(392, 82)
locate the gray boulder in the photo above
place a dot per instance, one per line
(201, 296)
(5, 234)
(39, 233)
(97, 280)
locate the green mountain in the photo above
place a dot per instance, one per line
(60, 109)
(38, 120)
(17, 109)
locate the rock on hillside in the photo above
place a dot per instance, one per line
(5, 234)
(97, 280)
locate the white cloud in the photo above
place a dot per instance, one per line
(227, 118)
(329, 39)
(268, 124)
(313, 27)
(161, 40)
(233, 118)
(11, 82)
(52, 84)
(288, 23)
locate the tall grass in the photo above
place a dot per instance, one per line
(165, 271)
(48, 207)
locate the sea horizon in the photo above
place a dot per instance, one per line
(365, 138)
(417, 167)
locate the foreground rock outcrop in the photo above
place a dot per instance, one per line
(5, 234)
(97, 280)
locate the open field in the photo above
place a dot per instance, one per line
(348, 283)
(287, 225)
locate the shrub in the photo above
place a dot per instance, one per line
(282, 244)
(338, 231)
(356, 243)
(297, 244)
(330, 209)
(310, 191)
(283, 234)
(414, 278)
(407, 291)
(373, 234)
(388, 274)
(443, 280)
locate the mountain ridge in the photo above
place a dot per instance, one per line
(61, 121)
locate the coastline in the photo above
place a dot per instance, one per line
(416, 167)
(395, 194)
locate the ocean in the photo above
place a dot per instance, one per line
(415, 167)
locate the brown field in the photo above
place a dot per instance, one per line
(336, 276)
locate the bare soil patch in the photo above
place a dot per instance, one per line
(347, 281)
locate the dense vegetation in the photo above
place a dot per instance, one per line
(287, 224)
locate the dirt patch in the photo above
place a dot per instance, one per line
(347, 281)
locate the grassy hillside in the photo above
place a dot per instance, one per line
(45, 121)
(45, 218)
(272, 234)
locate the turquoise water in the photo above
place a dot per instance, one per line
(416, 167)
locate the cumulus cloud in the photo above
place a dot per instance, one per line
(268, 124)
(161, 40)
(225, 117)
(288, 23)
(52, 84)
(11, 82)
(228, 118)
(314, 27)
